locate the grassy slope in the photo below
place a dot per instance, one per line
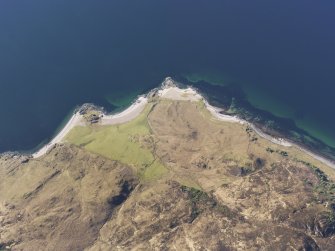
(118, 142)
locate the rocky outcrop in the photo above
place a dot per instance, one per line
(168, 82)
(61, 201)
(16, 156)
(88, 107)
(91, 113)
(323, 225)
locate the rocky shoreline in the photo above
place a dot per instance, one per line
(267, 128)
(23, 158)
(93, 114)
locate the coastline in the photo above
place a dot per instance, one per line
(74, 120)
(216, 112)
(77, 119)
(126, 115)
(170, 90)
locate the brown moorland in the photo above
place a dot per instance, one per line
(219, 186)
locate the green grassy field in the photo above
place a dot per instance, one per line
(118, 142)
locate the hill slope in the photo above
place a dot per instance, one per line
(172, 179)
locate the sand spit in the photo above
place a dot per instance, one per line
(170, 90)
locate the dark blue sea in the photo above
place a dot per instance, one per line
(278, 56)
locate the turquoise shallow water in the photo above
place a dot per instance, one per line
(268, 101)
(55, 55)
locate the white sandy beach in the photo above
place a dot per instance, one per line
(170, 91)
(76, 120)
(130, 113)
(176, 93)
